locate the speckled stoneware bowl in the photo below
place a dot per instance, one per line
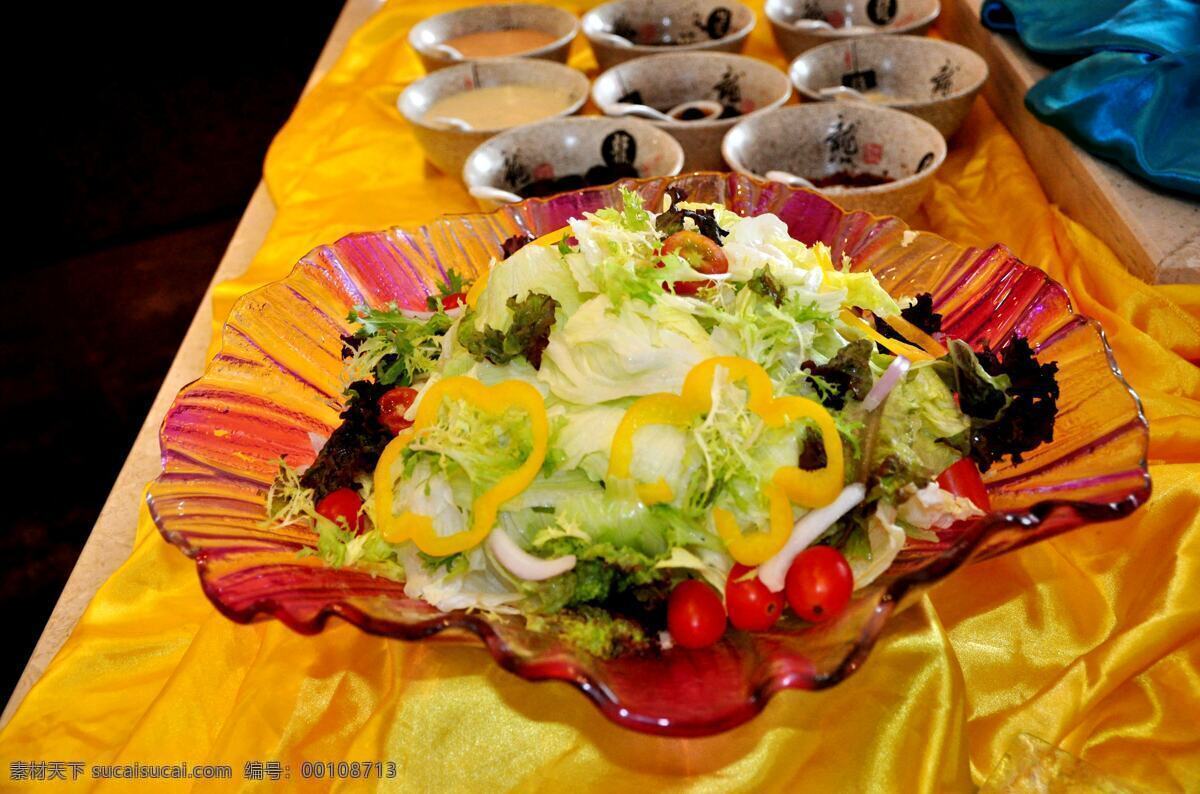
(446, 147)
(931, 79)
(713, 25)
(560, 147)
(799, 25)
(426, 35)
(821, 139)
(663, 81)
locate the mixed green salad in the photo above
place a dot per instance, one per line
(649, 424)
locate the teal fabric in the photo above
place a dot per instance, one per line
(1135, 98)
(1161, 27)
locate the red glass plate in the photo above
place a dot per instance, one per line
(276, 380)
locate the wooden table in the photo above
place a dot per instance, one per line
(112, 537)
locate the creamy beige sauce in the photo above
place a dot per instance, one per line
(495, 43)
(501, 106)
(882, 98)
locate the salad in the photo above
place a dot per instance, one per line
(649, 426)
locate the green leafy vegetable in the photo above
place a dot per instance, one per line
(765, 284)
(355, 446)
(672, 221)
(593, 630)
(453, 285)
(528, 335)
(918, 429)
(1028, 419)
(980, 395)
(392, 347)
(848, 372)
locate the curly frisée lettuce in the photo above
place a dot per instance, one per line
(594, 328)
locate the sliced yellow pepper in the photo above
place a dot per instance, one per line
(915, 335)
(896, 346)
(790, 484)
(493, 400)
(477, 288)
(552, 238)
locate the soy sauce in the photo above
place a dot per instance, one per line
(850, 179)
(596, 175)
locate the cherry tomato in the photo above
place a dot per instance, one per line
(819, 583)
(392, 406)
(454, 300)
(701, 253)
(752, 607)
(962, 479)
(341, 507)
(695, 616)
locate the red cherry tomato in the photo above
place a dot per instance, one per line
(819, 583)
(962, 479)
(695, 616)
(701, 253)
(392, 406)
(341, 507)
(752, 607)
(454, 300)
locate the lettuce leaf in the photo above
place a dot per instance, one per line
(605, 352)
(527, 334)
(535, 268)
(918, 429)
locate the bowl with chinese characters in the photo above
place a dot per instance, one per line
(555, 156)
(862, 157)
(626, 29)
(740, 86)
(799, 25)
(934, 80)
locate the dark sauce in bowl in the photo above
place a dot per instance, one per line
(595, 176)
(691, 114)
(850, 179)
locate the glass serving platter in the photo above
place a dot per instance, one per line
(277, 379)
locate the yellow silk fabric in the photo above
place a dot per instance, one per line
(1090, 641)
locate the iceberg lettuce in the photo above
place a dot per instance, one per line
(604, 352)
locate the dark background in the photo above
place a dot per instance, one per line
(138, 134)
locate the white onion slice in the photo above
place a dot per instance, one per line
(317, 441)
(773, 572)
(521, 563)
(887, 381)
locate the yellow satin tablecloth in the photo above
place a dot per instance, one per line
(1090, 641)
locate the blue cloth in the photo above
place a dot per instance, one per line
(1135, 98)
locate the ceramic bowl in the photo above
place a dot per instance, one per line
(622, 30)
(663, 81)
(559, 147)
(931, 79)
(799, 25)
(425, 36)
(822, 139)
(446, 147)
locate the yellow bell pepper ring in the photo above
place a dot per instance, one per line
(789, 485)
(813, 487)
(493, 400)
(757, 547)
